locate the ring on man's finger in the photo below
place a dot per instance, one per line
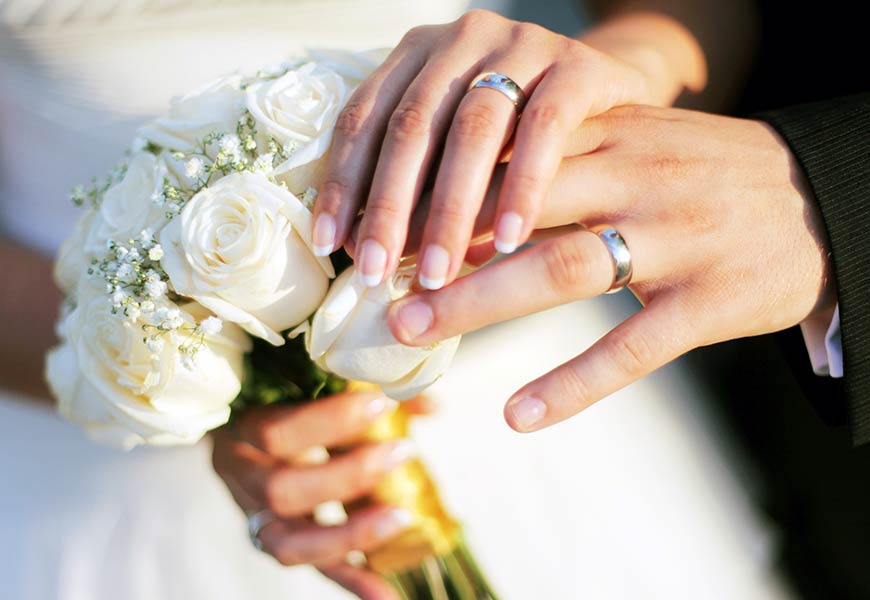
(504, 84)
(619, 256)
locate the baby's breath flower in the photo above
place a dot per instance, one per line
(155, 345)
(211, 326)
(264, 163)
(155, 289)
(155, 253)
(118, 298)
(194, 168)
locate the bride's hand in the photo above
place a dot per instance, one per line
(262, 459)
(725, 238)
(393, 129)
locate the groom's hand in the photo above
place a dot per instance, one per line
(265, 458)
(725, 240)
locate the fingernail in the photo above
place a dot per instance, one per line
(526, 412)
(323, 238)
(380, 406)
(392, 523)
(415, 318)
(507, 232)
(372, 263)
(402, 451)
(433, 267)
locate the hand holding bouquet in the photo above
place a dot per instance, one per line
(192, 262)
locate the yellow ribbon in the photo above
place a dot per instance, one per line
(433, 532)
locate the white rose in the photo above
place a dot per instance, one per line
(73, 258)
(299, 110)
(214, 107)
(242, 249)
(106, 379)
(353, 66)
(349, 336)
(128, 207)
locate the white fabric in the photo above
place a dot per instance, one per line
(636, 498)
(822, 338)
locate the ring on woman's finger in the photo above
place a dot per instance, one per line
(619, 256)
(504, 84)
(256, 521)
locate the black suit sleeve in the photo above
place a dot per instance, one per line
(831, 141)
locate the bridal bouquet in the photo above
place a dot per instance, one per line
(192, 291)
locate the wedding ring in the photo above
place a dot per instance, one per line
(504, 84)
(619, 256)
(256, 522)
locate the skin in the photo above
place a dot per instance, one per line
(671, 182)
(266, 462)
(413, 121)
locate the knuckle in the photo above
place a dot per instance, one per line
(476, 121)
(526, 183)
(544, 117)
(575, 388)
(447, 210)
(353, 120)
(295, 553)
(382, 209)
(415, 35)
(525, 34)
(566, 266)
(632, 354)
(473, 20)
(410, 119)
(276, 493)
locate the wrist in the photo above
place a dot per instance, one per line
(659, 47)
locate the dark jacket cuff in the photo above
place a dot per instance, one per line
(831, 141)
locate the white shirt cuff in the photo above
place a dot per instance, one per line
(824, 345)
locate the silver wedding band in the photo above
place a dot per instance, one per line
(504, 84)
(619, 256)
(256, 522)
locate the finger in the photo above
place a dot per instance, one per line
(285, 431)
(483, 123)
(646, 341)
(232, 459)
(366, 584)
(585, 185)
(554, 110)
(414, 136)
(356, 139)
(365, 530)
(573, 266)
(290, 491)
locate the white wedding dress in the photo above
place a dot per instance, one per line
(635, 498)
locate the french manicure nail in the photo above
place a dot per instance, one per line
(507, 232)
(415, 318)
(433, 267)
(323, 238)
(392, 523)
(527, 411)
(372, 263)
(402, 451)
(379, 406)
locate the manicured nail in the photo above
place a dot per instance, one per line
(526, 412)
(393, 523)
(433, 267)
(372, 261)
(323, 238)
(415, 318)
(507, 232)
(402, 451)
(380, 406)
